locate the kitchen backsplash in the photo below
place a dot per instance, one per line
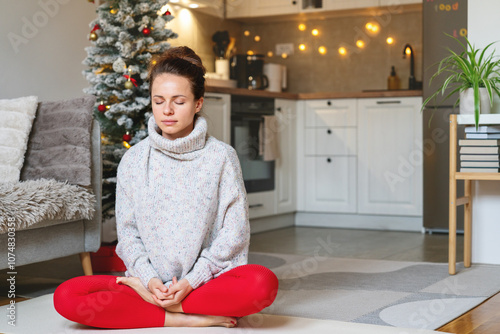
(360, 69)
(308, 71)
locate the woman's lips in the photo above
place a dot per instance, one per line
(169, 122)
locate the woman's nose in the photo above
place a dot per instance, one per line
(167, 110)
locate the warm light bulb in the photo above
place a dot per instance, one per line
(390, 40)
(360, 44)
(246, 33)
(193, 5)
(315, 32)
(284, 55)
(302, 27)
(256, 38)
(342, 51)
(369, 26)
(408, 51)
(375, 28)
(250, 52)
(302, 47)
(322, 50)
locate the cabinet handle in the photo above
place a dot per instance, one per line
(208, 97)
(329, 131)
(294, 2)
(329, 103)
(328, 160)
(278, 109)
(255, 206)
(389, 102)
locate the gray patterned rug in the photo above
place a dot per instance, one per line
(392, 293)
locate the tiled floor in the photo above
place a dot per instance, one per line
(42, 278)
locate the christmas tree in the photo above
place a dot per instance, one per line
(126, 36)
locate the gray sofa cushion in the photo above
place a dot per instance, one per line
(27, 203)
(59, 144)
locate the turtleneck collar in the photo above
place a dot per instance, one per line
(185, 148)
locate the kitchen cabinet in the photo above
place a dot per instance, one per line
(256, 8)
(390, 156)
(217, 108)
(329, 155)
(285, 187)
(396, 3)
(349, 4)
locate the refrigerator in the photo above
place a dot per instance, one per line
(439, 17)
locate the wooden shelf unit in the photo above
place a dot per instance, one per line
(466, 200)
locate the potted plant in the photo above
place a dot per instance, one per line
(472, 74)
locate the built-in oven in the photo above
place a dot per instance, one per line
(246, 118)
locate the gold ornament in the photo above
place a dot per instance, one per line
(113, 11)
(129, 84)
(126, 145)
(93, 36)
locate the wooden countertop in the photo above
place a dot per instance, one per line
(312, 96)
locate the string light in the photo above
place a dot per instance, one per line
(360, 44)
(246, 33)
(302, 27)
(302, 47)
(250, 52)
(322, 50)
(315, 32)
(270, 54)
(342, 51)
(390, 40)
(256, 38)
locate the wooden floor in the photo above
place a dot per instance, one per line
(42, 278)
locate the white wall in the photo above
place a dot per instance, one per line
(42, 47)
(483, 26)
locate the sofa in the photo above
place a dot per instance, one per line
(56, 205)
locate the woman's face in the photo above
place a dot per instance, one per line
(174, 106)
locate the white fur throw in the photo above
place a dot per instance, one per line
(30, 202)
(16, 119)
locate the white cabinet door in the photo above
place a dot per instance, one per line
(330, 113)
(275, 7)
(390, 156)
(330, 184)
(238, 8)
(351, 4)
(397, 3)
(217, 108)
(286, 114)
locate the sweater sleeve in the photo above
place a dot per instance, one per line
(229, 248)
(130, 247)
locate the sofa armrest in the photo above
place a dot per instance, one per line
(93, 228)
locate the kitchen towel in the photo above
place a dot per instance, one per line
(268, 139)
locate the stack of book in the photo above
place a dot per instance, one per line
(480, 151)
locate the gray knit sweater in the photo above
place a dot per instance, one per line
(181, 208)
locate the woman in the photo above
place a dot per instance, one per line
(182, 221)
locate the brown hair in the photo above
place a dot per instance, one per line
(184, 62)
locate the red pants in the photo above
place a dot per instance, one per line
(99, 301)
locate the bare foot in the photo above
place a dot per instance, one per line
(135, 283)
(196, 320)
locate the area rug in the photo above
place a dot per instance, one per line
(39, 316)
(415, 295)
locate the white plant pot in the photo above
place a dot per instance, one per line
(467, 101)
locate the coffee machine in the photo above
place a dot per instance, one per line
(248, 71)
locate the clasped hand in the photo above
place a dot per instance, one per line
(172, 295)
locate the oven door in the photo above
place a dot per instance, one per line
(258, 175)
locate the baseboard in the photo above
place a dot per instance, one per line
(358, 221)
(272, 222)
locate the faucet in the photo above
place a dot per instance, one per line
(409, 51)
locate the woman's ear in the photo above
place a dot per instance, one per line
(199, 104)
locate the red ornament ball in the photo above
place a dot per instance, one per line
(126, 137)
(101, 108)
(167, 13)
(146, 31)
